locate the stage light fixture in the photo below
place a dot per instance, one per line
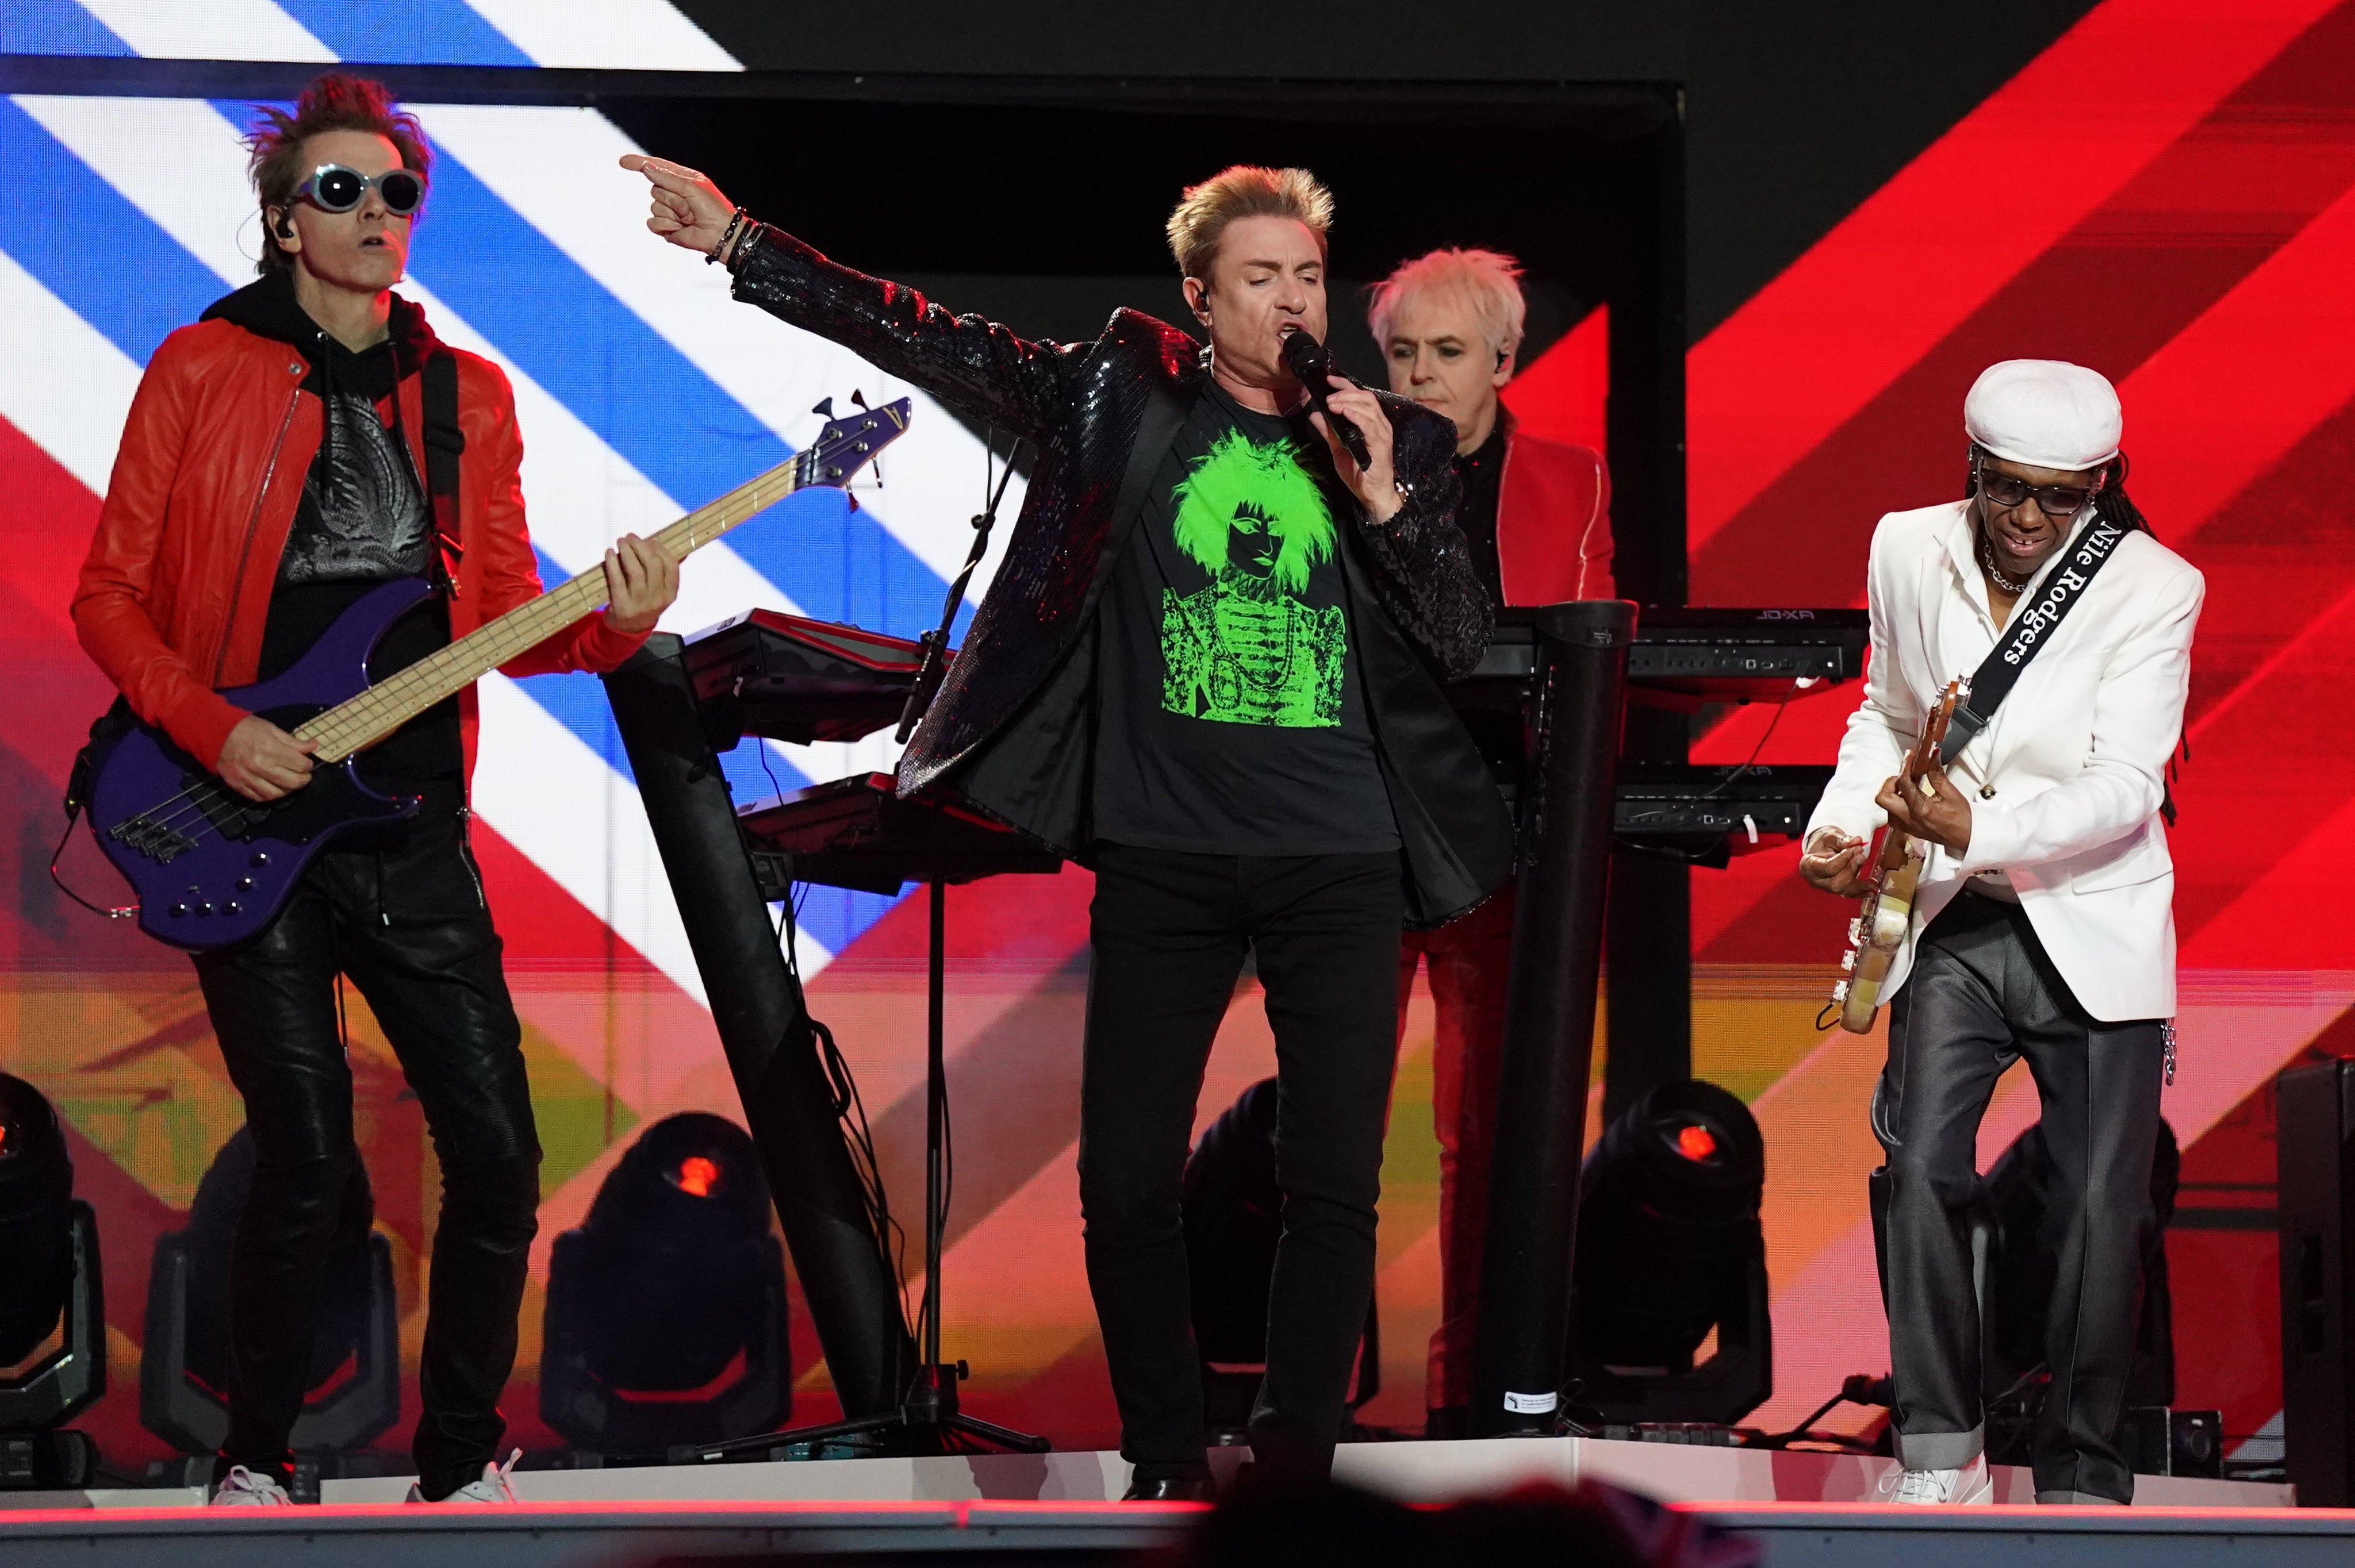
(1669, 1249)
(1234, 1217)
(50, 1276)
(353, 1391)
(666, 1321)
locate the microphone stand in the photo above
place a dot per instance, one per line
(935, 642)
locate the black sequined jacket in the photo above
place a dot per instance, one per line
(1013, 724)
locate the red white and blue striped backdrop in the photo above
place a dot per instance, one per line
(2167, 194)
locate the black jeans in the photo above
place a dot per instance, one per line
(402, 912)
(1983, 994)
(1170, 930)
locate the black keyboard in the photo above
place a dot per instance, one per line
(855, 832)
(1705, 654)
(1747, 655)
(1700, 812)
(793, 679)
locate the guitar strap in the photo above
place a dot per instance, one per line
(2031, 628)
(445, 440)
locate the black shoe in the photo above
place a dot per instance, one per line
(1195, 1488)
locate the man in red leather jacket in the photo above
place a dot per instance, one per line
(270, 473)
(1536, 515)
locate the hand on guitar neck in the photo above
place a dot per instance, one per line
(262, 762)
(1923, 805)
(641, 582)
(1922, 802)
(1931, 808)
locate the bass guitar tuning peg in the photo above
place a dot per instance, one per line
(858, 398)
(825, 409)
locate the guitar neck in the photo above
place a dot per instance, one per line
(384, 707)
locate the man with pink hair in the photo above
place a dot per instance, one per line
(1536, 515)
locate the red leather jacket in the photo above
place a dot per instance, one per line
(177, 586)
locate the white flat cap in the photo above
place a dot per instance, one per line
(2046, 413)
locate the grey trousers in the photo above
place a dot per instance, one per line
(1984, 994)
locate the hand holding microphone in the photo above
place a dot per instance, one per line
(1308, 360)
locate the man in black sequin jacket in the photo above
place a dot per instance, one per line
(1210, 668)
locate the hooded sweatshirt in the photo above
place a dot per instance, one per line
(363, 519)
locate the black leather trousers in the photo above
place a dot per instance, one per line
(400, 911)
(1984, 994)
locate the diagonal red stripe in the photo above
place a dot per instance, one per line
(1844, 323)
(47, 515)
(2229, 397)
(2181, 235)
(1563, 394)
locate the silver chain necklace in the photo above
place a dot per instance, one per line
(1987, 559)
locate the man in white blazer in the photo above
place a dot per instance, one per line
(2044, 925)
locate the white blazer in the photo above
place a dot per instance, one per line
(2073, 757)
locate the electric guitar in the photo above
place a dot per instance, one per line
(212, 867)
(1875, 936)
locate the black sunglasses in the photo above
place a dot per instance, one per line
(334, 188)
(2008, 491)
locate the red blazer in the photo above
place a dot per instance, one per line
(1553, 522)
(176, 588)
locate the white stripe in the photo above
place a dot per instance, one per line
(560, 170)
(216, 30)
(180, 162)
(76, 415)
(614, 35)
(582, 822)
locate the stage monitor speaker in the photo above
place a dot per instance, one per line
(2315, 1121)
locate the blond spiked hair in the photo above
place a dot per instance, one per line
(1243, 191)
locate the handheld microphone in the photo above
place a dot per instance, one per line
(1307, 359)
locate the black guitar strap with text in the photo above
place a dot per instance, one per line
(2031, 630)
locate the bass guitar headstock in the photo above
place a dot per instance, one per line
(1933, 730)
(850, 443)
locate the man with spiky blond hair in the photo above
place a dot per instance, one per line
(1535, 517)
(1210, 668)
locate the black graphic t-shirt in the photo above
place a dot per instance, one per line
(365, 520)
(1232, 710)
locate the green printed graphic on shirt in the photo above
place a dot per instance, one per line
(1248, 649)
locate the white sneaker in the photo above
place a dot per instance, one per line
(242, 1489)
(494, 1487)
(1970, 1485)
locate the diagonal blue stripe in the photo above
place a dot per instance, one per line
(406, 32)
(55, 28)
(111, 264)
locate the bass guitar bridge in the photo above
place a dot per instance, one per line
(144, 835)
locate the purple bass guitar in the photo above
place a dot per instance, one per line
(212, 868)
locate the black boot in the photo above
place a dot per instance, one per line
(1169, 1483)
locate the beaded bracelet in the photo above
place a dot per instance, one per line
(727, 236)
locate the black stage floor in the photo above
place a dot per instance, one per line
(590, 1535)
